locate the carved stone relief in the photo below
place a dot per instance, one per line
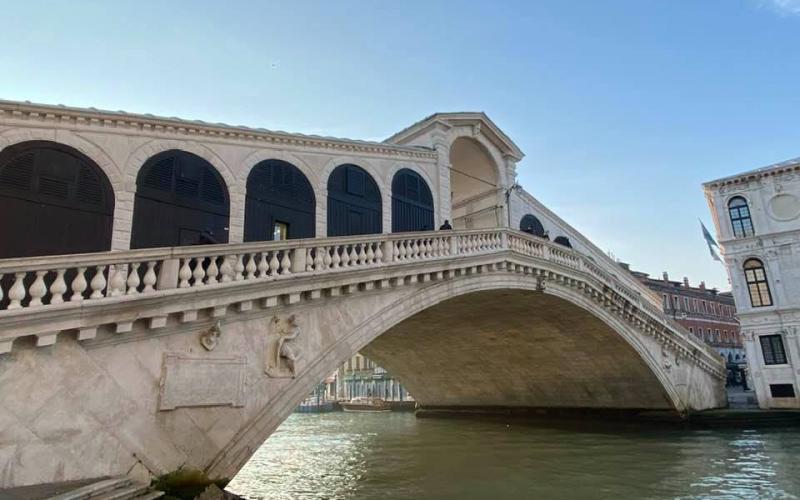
(283, 352)
(210, 338)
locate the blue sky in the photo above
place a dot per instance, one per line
(623, 107)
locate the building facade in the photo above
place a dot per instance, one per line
(362, 377)
(757, 219)
(705, 312)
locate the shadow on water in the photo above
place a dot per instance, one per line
(387, 456)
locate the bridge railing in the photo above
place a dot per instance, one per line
(40, 282)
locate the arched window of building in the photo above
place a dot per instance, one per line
(280, 203)
(180, 200)
(530, 224)
(730, 358)
(53, 200)
(757, 285)
(412, 202)
(741, 222)
(354, 202)
(563, 240)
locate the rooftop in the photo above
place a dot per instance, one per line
(769, 170)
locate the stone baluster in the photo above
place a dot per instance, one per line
(400, 250)
(370, 253)
(378, 252)
(198, 273)
(185, 273)
(318, 261)
(98, 283)
(213, 270)
(226, 269)
(37, 289)
(133, 279)
(150, 277)
(250, 267)
(362, 255)
(335, 259)
(238, 268)
(78, 285)
(353, 255)
(57, 288)
(116, 282)
(274, 263)
(345, 256)
(286, 263)
(436, 247)
(17, 292)
(263, 266)
(310, 259)
(428, 247)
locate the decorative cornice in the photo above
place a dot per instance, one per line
(481, 124)
(91, 117)
(777, 169)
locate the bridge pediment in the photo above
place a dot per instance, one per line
(477, 123)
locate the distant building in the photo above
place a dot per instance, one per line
(361, 377)
(757, 218)
(706, 313)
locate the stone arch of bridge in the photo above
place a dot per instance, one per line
(387, 335)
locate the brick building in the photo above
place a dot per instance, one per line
(705, 312)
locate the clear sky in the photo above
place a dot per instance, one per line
(623, 107)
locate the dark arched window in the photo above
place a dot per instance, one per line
(563, 240)
(354, 202)
(280, 203)
(412, 203)
(53, 200)
(740, 217)
(180, 200)
(530, 224)
(757, 285)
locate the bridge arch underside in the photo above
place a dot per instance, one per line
(516, 348)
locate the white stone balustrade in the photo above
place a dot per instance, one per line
(44, 283)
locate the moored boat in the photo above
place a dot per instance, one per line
(365, 404)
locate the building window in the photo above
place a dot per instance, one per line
(781, 390)
(703, 309)
(691, 330)
(280, 231)
(740, 217)
(676, 304)
(686, 303)
(772, 347)
(666, 302)
(757, 285)
(716, 334)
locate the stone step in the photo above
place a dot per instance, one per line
(135, 490)
(150, 495)
(95, 489)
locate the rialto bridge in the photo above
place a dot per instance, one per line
(149, 321)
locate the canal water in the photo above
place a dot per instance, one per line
(396, 455)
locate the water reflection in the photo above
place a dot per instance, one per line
(341, 455)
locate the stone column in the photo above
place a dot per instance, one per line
(442, 147)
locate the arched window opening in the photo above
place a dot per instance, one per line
(180, 200)
(412, 202)
(280, 203)
(354, 202)
(563, 240)
(741, 222)
(53, 200)
(530, 224)
(757, 285)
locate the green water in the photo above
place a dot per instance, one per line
(395, 455)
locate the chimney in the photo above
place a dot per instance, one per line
(702, 285)
(686, 282)
(665, 276)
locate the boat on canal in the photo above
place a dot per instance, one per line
(365, 404)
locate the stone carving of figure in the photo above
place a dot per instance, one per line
(210, 338)
(283, 352)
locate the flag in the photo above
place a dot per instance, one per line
(710, 241)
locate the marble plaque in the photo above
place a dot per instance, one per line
(189, 381)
